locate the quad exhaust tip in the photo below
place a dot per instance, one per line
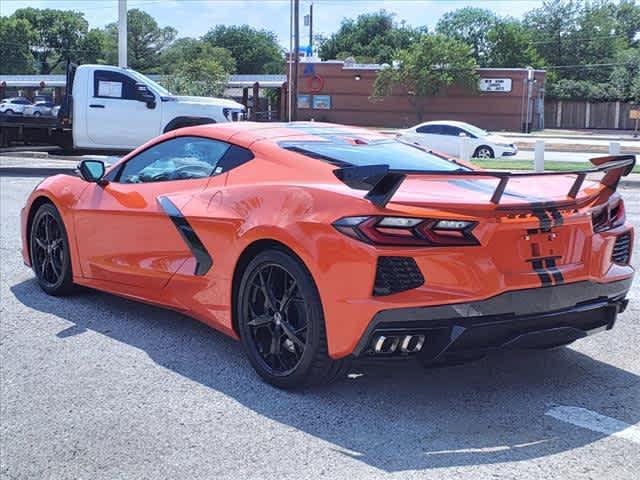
(390, 343)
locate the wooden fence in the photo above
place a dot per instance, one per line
(604, 115)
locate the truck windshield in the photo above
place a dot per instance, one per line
(156, 86)
(396, 154)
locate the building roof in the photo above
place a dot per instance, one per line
(235, 81)
(33, 80)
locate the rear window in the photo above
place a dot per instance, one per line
(397, 155)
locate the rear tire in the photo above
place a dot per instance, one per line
(281, 323)
(9, 112)
(49, 251)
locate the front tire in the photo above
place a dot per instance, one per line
(49, 249)
(281, 323)
(484, 152)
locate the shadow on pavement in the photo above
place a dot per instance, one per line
(393, 417)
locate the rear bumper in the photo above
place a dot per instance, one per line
(522, 319)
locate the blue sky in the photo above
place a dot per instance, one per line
(194, 17)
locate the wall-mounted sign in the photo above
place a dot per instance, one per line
(495, 84)
(304, 101)
(322, 102)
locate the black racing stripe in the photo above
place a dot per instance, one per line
(550, 264)
(198, 250)
(545, 221)
(545, 278)
(558, 219)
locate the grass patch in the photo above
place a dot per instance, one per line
(528, 165)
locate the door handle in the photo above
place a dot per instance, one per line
(95, 105)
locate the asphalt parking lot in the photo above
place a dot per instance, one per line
(98, 387)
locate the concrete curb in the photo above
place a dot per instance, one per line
(569, 137)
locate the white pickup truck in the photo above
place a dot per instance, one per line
(113, 108)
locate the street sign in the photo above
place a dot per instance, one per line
(495, 84)
(634, 114)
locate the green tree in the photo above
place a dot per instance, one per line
(553, 27)
(254, 50)
(628, 19)
(146, 41)
(15, 37)
(471, 26)
(598, 40)
(190, 50)
(624, 77)
(201, 77)
(428, 68)
(92, 47)
(509, 45)
(371, 37)
(59, 35)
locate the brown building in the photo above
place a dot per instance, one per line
(337, 91)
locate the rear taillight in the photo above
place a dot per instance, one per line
(408, 232)
(608, 216)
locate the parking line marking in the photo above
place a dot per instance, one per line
(581, 417)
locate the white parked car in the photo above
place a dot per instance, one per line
(13, 106)
(446, 136)
(40, 109)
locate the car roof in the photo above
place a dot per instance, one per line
(247, 133)
(453, 123)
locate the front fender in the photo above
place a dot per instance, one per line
(63, 191)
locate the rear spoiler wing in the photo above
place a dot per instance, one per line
(382, 182)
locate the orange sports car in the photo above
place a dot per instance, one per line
(315, 244)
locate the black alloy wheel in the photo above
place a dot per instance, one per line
(49, 249)
(281, 323)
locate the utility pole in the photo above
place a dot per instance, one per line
(296, 50)
(311, 28)
(122, 33)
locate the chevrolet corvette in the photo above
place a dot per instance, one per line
(315, 244)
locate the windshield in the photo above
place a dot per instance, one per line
(478, 132)
(156, 86)
(396, 154)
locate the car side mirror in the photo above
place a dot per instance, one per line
(144, 95)
(463, 135)
(92, 170)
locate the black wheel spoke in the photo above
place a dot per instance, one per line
(275, 344)
(267, 292)
(261, 320)
(47, 228)
(54, 267)
(291, 334)
(288, 295)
